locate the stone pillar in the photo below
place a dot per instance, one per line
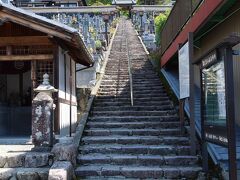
(42, 109)
(42, 114)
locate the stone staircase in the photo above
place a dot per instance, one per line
(143, 141)
(22, 163)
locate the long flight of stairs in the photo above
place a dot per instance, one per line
(143, 141)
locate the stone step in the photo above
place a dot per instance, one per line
(142, 172)
(126, 90)
(106, 178)
(156, 87)
(105, 88)
(142, 81)
(135, 149)
(134, 113)
(96, 104)
(137, 91)
(146, 76)
(121, 119)
(140, 142)
(116, 69)
(137, 78)
(26, 159)
(24, 173)
(127, 99)
(133, 125)
(140, 160)
(125, 73)
(149, 140)
(135, 95)
(136, 86)
(132, 132)
(134, 108)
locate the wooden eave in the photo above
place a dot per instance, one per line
(25, 41)
(67, 37)
(42, 57)
(33, 23)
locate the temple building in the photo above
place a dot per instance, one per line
(30, 46)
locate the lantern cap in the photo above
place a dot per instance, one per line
(45, 86)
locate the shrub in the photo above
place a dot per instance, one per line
(159, 22)
(98, 44)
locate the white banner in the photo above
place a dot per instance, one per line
(183, 62)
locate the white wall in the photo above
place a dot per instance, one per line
(67, 77)
(64, 108)
(74, 98)
(64, 111)
(61, 86)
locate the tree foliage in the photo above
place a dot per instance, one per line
(98, 2)
(156, 2)
(159, 22)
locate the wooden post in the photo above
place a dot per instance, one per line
(192, 97)
(181, 114)
(70, 83)
(56, 123)
(204, 142)
(33, 76)
(21, 87)
(230, 112)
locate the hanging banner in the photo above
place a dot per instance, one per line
(183, 62)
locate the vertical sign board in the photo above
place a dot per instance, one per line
(183, 62)
(185, 55)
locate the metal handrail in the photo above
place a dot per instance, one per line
(130, 72)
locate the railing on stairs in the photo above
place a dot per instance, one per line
(130, 72)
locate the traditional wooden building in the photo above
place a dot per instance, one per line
(211, 29)
(31, 45)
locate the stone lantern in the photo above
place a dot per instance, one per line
(42, 114)
(45, 86)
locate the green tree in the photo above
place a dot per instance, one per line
(159, 23)
(157, 2)
(98, 2)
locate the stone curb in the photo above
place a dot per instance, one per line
(61, 170)
(145, 49)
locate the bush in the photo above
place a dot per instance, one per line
(98, 2)
(98, 44)
(155, 57)
(124, 12)
(159, 22)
